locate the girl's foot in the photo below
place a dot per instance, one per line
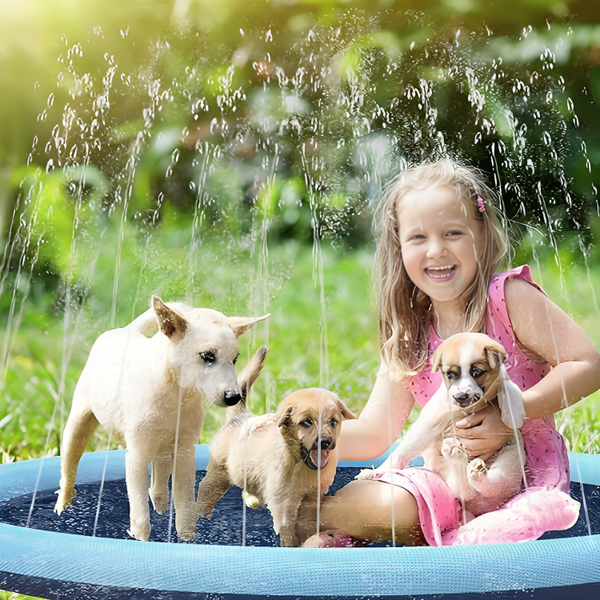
(332, 539)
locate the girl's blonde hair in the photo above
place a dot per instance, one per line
(404, 310)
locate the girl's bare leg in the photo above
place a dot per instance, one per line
(371, 511)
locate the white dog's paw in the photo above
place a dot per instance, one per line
(64, 500)
(139, 532)
(452, 449)
(160, 502)
(477, 469)
(139, 529)
(366, 474)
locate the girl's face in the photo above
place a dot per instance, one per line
(438, 241)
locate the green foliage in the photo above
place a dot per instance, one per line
(217, 122)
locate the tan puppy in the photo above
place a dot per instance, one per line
(277, 459)
(149, 393)
(473, 376)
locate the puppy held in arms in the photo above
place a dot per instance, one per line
(279, 459)
(148, 393)
(473, 376)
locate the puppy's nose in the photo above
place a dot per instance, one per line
(461, 397)
(231, 397)
(326, 443)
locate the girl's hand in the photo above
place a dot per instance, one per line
(483, 433)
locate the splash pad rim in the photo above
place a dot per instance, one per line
(162, 570)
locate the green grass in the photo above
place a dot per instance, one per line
(40, 380)
(50, 347)
(327, 339)
(576, 289)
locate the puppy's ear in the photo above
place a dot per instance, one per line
(436, 359)
(495, 355)
(346, 412)
(240, 325)
(170, 321)
(284, 414)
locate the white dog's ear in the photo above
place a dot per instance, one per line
(240, 325)
(171, 322)
(510, 400)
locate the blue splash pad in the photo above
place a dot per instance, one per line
(56, 557)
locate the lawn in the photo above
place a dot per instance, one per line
(325, 337)
(315, 336)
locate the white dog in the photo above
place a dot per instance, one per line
(473, 376)
(149, 393)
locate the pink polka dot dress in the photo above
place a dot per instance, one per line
(545, 504)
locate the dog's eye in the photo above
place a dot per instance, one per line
(235, 359)
(306, 423)
(451, 374)
(207, 357)
(333, 423)
(477, 373)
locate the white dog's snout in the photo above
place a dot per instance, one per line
(231, 397)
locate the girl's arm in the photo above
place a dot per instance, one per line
(546, 331)
(379, 423)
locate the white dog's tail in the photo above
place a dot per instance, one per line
(245, 380)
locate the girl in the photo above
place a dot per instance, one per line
(440, 242)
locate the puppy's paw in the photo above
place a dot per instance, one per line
(452, 449)
(205, 508)
(477, 469)
(288, 540)
(251, 500)
(186, 531)
(64, 500)
(366, 474)
(206, 513)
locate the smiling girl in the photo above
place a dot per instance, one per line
(439, 245)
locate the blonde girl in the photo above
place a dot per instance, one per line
(440, 242)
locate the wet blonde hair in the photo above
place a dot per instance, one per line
(404, 310)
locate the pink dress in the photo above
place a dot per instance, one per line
(545, 505)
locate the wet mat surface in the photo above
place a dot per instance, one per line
(226, 525)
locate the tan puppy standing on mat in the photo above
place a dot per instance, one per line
(280, 459)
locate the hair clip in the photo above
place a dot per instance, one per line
(480, 204)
